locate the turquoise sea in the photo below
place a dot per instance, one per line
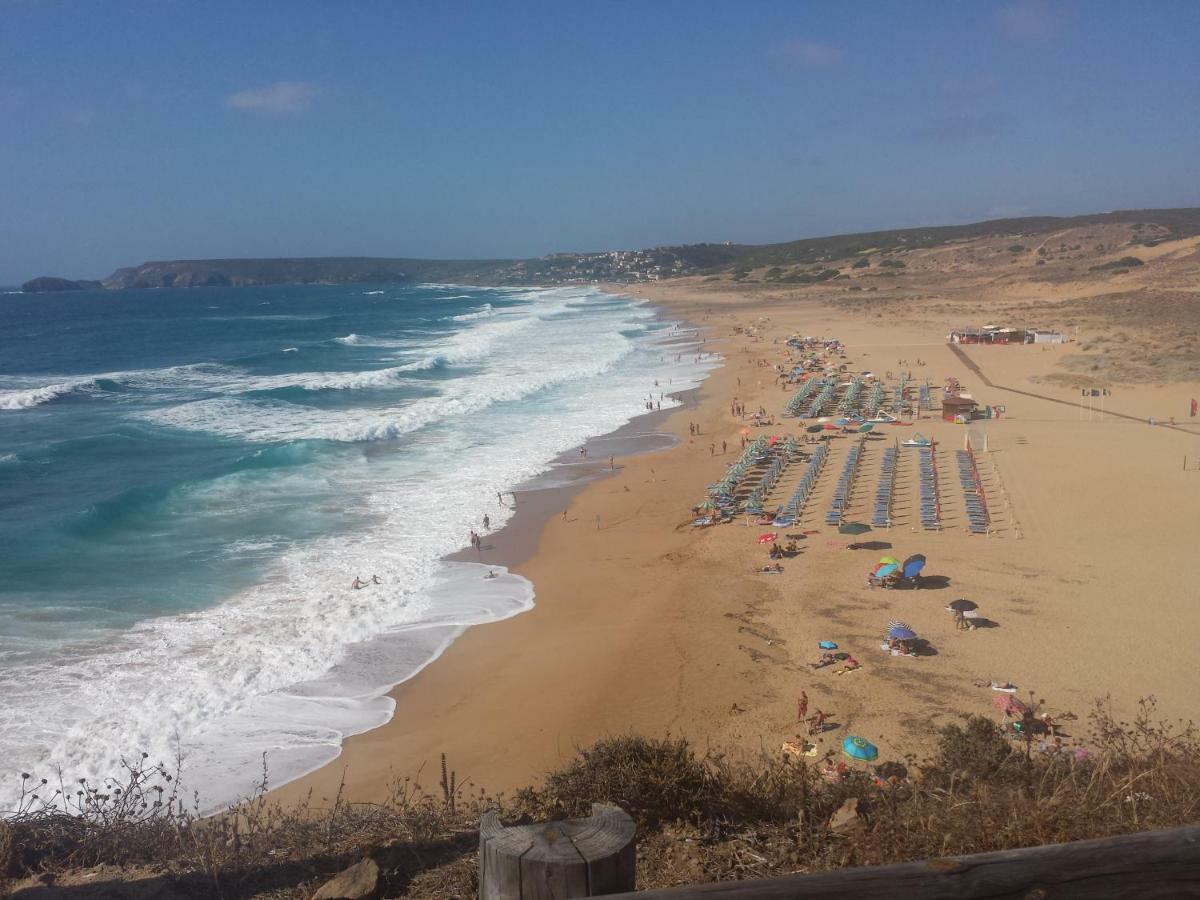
(191, 479)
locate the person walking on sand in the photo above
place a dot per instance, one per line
(487, 522)
(802, 707)
(712, 449)
(612, 464)
(724, 447)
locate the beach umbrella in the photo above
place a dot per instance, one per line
(962, 605)
(889, 559)
(884, 569)
(860, 749)
(865, 427)
(707, 504)
(830, 426)
(1009, 705)
(901, 633)
(768, 538)
(854, 528)
(823, 419)
(842, 422)
(913, 565)
(813, 429)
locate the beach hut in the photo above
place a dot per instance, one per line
(955, 407)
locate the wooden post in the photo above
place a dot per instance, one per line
(557, 860)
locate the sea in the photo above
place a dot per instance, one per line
(191, 479)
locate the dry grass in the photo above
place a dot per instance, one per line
(700, 817)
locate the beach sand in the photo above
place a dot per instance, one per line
(644, 624)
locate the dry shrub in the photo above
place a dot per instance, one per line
(701, 817)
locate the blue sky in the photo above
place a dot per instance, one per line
(164, 129)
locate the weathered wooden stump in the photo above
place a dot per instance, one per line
(557, 860)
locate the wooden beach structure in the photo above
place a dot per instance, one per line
(1148, 864)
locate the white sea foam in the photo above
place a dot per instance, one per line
(12, 400)
(296, 662)
(484, 312)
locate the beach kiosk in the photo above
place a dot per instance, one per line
(958, 409)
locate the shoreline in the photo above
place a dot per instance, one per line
(648, 626)
(535, 504)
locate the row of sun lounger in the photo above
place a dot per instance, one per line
(754, 503)
(721, 494)
(923, 399)
(978, 518)
(882, 517)
(845, 486)
(931, 502)
(795, 505)
(901, 396)
(874, 399)
(800, 397)
(849, 401)
(828, 386)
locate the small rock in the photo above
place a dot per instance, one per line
(846, 818)
(357, 882)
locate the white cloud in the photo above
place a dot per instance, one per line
(280, 97)
(810, 54)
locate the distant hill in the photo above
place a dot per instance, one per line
(625, 265)
(314, 270)
(47, 284)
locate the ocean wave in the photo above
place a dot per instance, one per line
(294, 663)
(12, 400)
(484, 312)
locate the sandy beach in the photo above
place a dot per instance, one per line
(645, 624)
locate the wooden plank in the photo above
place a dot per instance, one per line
(1148, 866)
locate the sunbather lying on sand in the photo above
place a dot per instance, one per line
(771, 570)
(827, 659)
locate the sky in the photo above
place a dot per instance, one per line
(164, 129)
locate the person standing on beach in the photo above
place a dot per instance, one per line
(712, 449)
(612, 464)
(724, 447)
(802, 707)
(487, 522)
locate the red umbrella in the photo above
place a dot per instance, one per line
(768, 538)
(1009, 705)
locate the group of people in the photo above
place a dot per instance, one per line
(359, 583)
